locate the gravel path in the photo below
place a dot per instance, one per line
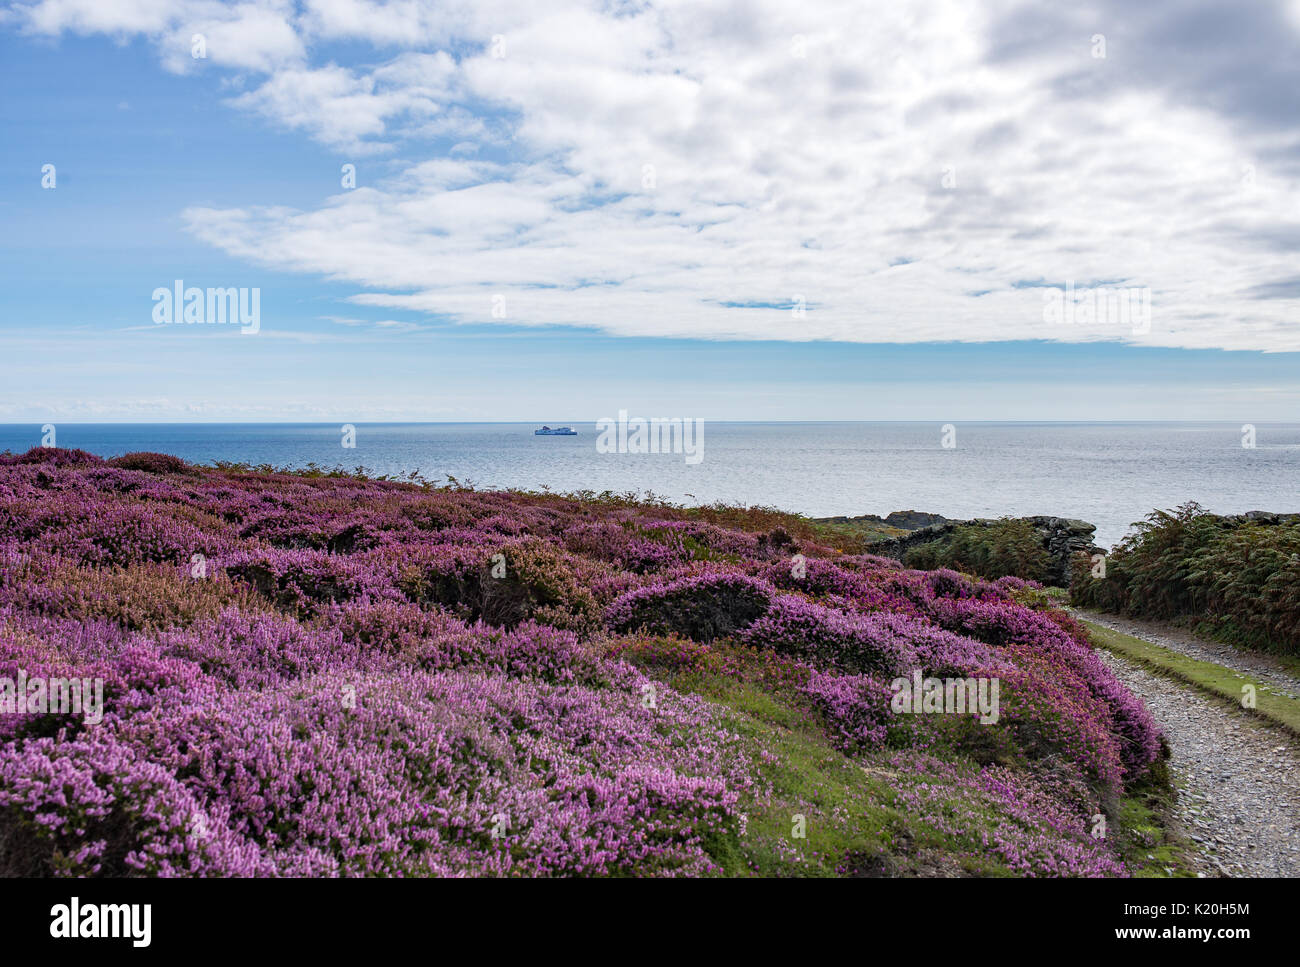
(1260, 668)
(1239, 780)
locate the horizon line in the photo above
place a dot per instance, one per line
(580, 421)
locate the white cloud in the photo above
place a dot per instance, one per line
(258, 35)
(912, 172)
(400, 23)
(382, 325)
(97, 16)
(245, 36)
(347, 110)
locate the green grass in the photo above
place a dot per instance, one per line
(856, 535)
(853, 823)
(1227, 631)
(857, 818)
(1146, 843)
(1215, 680)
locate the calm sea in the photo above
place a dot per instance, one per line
(1110, 474)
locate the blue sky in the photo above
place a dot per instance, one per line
(647, 192)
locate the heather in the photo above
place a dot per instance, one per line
(1235, 578)
(327, 674)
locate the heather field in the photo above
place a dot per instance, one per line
(313, 674)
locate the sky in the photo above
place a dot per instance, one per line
(724, 209)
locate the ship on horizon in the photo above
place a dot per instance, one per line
(556, 431)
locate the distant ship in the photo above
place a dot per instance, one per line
(555, 431)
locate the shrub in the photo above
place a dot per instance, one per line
(829, 637)
(856, 707)
(1239, 579)
(702, 607)
(150, 462)
(95, 807)
(499, 582)
(52, 456)
(299, 582)
(137, 597)
(1007, 547)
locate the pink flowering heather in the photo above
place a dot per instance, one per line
(830, 637)
(856, 708)
(311, 676)
(1036, 835)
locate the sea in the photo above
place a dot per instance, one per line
(1109, 474)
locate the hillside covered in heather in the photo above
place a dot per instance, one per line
(310, 674)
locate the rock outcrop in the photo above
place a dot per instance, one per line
(1062, 538)
(908, 520)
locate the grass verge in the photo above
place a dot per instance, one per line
(869, 815)
(1215, 680)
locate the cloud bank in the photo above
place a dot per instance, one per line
(755, 169)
